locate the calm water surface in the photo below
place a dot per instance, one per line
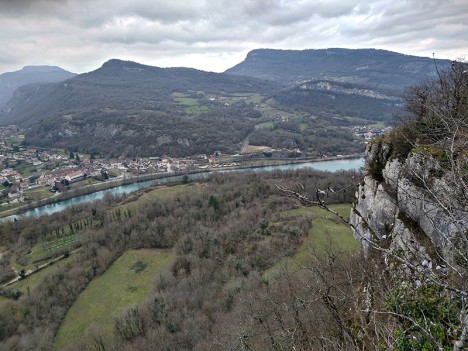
(331, 166)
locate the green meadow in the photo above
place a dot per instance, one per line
(327, 231)
(3, 301)
(127, 282)
(37, 193)
(191, 105)
(32, 281)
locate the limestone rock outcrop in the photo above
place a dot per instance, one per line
(413, 205)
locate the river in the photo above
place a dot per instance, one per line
(331, 166)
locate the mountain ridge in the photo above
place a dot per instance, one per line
(10, 81)
(116, 80)
(138, 110)
(378, 68)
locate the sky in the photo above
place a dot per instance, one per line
(80, 35)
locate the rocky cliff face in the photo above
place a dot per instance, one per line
(411, 206)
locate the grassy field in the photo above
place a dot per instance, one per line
(378, 125)
(119, 287)
(192, 105)
(160, 193)
(265, 125)
(27, 170)
(37, 193)
(42, 252)
(186, 101)
(254, 148)
(196, 110)
(9, 207)
(279, 113)
(248, 98)
(33, 280)
(253, 98)
(304, 126)
(163, 192)
(3, 301)
(48, 248)
(14, 141)
(326, 231)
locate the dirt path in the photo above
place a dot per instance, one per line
(42, 266)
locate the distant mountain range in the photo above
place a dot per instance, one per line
(120, 85)
(384, 70)
(366, 83)
(10, 81)
(276, 98)
(128, 108)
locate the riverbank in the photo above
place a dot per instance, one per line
(81, 191)
(272, 162)
(86, 190)
(177, 177)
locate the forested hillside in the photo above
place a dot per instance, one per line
(340, 100)
(262, 261)
(224, 235)
(308, 100)
(363, 83)
(138, 110)
(121, 85)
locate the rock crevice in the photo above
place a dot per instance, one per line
(410, 202)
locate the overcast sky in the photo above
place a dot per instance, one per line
(80, 35)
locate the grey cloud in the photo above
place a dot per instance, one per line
(163, 11)
(336, 8)
(18, 7)
(407, 21)
(26, 8)
(283, 13)
(80, 34)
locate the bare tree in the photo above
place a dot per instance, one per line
(430, 149)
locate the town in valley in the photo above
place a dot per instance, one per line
(29, 174)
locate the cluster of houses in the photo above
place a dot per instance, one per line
(11, 194)
(58, 170)
(60, 178)
(22, 168)
(98, 168)
(368, 133)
